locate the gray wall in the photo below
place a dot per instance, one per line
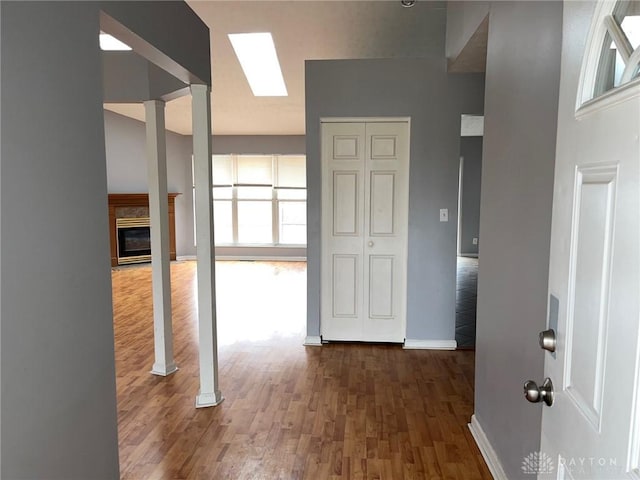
(471, 152)
(259, 144)
(57, 359)
(129, 78)
(125, 140)
(168, 33)
(421, 89)
(463, 19)
(127, 172)
(58, 378)
(521, 101)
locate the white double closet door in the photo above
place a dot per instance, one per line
(365, 197)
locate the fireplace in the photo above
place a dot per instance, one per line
(129, 228)
(134, 240)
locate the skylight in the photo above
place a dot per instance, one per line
(259, 61)
(109, 43)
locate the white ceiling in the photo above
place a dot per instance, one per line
(302, 30)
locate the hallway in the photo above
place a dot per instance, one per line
(466, 301)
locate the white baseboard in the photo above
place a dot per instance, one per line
(429, 344)
(313, 341)
(182, 258)
(487, 451)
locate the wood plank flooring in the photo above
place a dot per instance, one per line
(341, 411)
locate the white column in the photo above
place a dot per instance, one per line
(159, 215)
(209, 394)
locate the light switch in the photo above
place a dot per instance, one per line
(444, 214)
(474, 241)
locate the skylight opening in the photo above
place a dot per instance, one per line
(112, 44)
(257, 55)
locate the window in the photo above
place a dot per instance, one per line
(614, 57)
(260, 199)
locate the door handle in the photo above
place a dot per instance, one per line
(536, 394)
(371, 244)
(547, 340)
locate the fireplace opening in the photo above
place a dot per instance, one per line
(134, 240)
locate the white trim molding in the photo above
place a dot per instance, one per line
(410, 344)
(313, 341)
(365, 119)
(487, 451)
(164, 370)
(204, 400)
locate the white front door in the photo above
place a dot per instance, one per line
(365, 193)
(592, 429)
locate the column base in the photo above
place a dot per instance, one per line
(164, 370)
(204, 400)
(313, 341)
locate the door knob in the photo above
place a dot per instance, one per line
(536, 394)
(371, 243)
(547, 340)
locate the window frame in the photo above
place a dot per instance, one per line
(274, 200)
(603, 22)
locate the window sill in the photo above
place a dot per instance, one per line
(261, 252)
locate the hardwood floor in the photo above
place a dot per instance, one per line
(341, 411)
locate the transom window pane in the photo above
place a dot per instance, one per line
(254, 222)
(222, 170)
(292, 171)
(256, 170)
(611, 67)
(627, 14)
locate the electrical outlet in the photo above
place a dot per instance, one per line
(444, 214)
(474, 241)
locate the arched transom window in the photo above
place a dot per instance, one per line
(613, 53)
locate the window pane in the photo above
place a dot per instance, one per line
(293, 222)
(288, 194)
(222, 222)
(255, 169)
(610, 67)
(222, 193)
(627, 14)
(255, 193)
(254, 222)
(292, 171)
(222, 170)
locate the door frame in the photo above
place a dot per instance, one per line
(376, 119)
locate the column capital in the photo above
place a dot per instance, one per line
(154, 102)
(199, 87)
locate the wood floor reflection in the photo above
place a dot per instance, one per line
(340, 411)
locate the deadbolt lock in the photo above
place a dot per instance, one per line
(547, 340)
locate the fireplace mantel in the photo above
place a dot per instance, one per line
(132, 205)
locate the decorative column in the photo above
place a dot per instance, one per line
(209, 394)
(159, 218)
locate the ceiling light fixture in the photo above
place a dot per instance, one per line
(257, 55)
(110, 43)
(408, 3)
